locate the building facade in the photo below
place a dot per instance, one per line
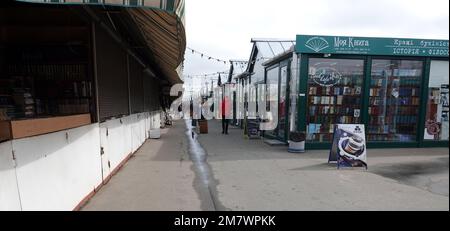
(396, 87)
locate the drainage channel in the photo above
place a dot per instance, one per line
(204, 182)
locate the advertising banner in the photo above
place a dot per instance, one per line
(349, 147)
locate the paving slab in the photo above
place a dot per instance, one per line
(254, 176)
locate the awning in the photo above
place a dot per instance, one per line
(161, 23)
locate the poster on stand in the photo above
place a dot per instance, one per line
(253, 128)
(349, 147)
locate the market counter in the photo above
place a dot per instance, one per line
(17, 129)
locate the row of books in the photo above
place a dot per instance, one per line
(398, 119)
(379, 138)
(24, 101)
(325, 91)
(338, 119)
(51, 72)
(401, 101)
(334, 100)
(398, 72)
(379, 129)
(383, 82)
(320, 137)
(332, 110)
(374, 111)
(392, 137)
(402, 92)
(314, 128)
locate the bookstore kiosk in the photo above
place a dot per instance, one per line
(397, 87)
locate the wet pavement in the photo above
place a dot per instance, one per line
(428, 175)
(185, 170)
(204, 182)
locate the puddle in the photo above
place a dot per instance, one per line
(430, 175)
(204, 182)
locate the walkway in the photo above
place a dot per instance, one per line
(228, 172)
(252, 175)
(159, 177)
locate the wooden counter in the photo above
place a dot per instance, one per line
(17, 129)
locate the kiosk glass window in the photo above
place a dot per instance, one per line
(335, 90)
(272, 79)
(436, 121)
(282, 103)
(394, 101)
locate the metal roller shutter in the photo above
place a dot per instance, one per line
(151, 93)
(136, 86)
(112, 77)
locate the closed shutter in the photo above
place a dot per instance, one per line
(151, 93)
(112, 77)
(136, 86)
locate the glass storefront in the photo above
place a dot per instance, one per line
(394, 102)
(436, 120)
(397, 88)
(272, 80)
(335, 95)
(282, 103)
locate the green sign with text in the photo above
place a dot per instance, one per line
(371, 46)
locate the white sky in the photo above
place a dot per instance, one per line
(223, 28)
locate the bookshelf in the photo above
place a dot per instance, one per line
(40, 83)
(330, 105)
(394, 104)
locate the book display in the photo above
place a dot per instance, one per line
(334, 96)
(34, 86)
(394, 101)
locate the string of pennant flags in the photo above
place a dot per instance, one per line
(208, 57)
(242, 64)
(208, 74)
(203, 55)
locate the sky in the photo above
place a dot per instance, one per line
(223, 29)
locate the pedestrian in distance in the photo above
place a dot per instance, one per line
(225, 109)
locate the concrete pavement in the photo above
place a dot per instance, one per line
(160, 176)
(189, 171)
(254, 176)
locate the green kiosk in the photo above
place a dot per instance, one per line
(398, 88)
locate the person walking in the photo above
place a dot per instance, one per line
(225, 109)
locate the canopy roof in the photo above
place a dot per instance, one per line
(265, 49)
(270, 48)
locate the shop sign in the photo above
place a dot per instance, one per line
(371, 46)
(349, 147)
(326, 76)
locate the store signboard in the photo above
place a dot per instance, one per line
(371, 46)
(349, 147)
